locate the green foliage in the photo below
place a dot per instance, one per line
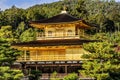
(108, 37)
(96, 69)
(108, 26)
(34, 75)
(6, 33)
(20, 29)
(54, 76)
(99, 50)
(12, 17)
(8, 74)
(28, 35)
(7, 55)
(102, 61)
(71, 76)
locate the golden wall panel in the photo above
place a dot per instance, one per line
(74, 53)
(70, 53)
(59, 31)
(47, 55)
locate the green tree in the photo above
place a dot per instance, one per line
(101, 61)
(109, 37)
(54, 76)
(8, 74)
(71, 76)
(28, 35)
(108, 26)
(20, 29)
(12, 16)
(6, 34)
(8, 55)
(34, 75)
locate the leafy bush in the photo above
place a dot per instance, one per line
(8, 74)
(54, 76)
(34, 75)
(71, 76)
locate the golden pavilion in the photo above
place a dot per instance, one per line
(58, 45)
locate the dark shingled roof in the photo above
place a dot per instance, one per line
(64, 17)
(56, 42)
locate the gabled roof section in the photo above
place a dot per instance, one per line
(63, 17)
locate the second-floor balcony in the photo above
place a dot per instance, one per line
(61, 35)
(57, 37)
(50, 58)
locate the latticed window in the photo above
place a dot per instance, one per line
(40, 33)
(49, 33)
(69, 33)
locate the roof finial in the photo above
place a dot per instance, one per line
(64, 9)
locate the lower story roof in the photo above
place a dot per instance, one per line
(57, 42)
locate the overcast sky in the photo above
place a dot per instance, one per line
(5, 4)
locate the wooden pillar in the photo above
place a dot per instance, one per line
(76, 30)
(52, 69)
(66, 69)
(83, 32)
(36, 55)
(37, 33)
(36, 66)
(46, 30)
(24, 68)
(64, 33)
(25, 55)
(79, 33)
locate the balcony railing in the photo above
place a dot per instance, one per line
(49, 58)
(58, 37)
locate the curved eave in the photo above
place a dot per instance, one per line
(50, 43)
(78, 23)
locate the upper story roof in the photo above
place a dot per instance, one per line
(63, 17)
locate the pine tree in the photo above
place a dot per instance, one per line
(102, 61)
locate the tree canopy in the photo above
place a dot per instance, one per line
(102, 61)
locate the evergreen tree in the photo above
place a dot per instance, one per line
(8, 74)
(8, 55)
(102, 61)
(28, 35)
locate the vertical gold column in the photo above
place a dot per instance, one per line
(25, 55)
(76, 30)
(45, 32)
(36, 54)
(83, 32)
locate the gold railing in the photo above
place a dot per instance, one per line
(49, 58)
(58, 37)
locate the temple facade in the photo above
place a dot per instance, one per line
(58, 45)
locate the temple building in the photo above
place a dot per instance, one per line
(58, 45)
